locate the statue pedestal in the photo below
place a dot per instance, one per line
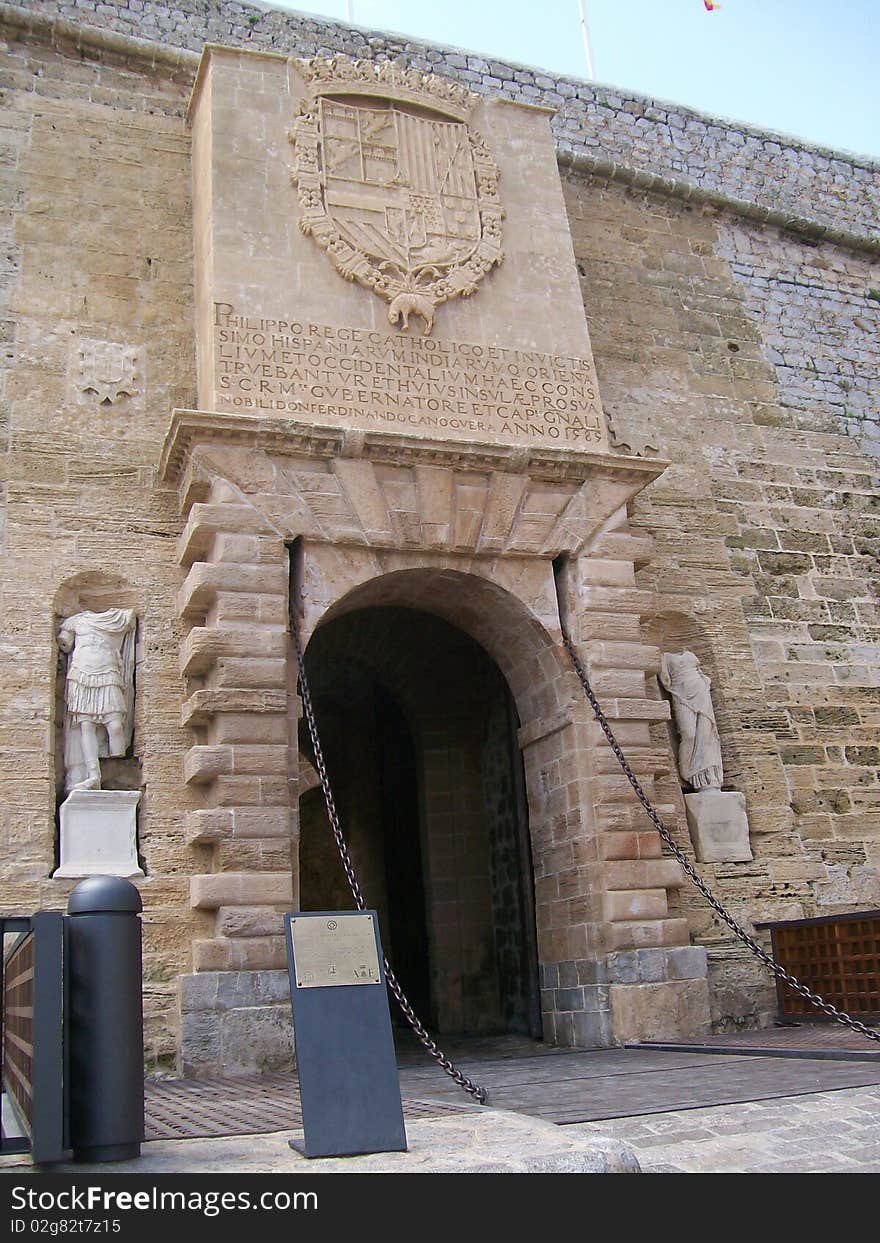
(718, 825)
(98, 834)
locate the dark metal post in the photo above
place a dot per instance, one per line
(106, 1020)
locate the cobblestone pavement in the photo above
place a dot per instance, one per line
(827, 1132)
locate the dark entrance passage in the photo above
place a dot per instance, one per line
(419, 730)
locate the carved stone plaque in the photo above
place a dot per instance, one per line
(313, 298)
(338, 949)
(395, 185)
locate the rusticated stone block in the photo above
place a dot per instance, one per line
(205, 580)
(592, 1029)
(204, 522)
(687, 962)
(205, 645)
(642, 933)
(636, 904)
(673, 1010)
(208, 825)
(265, 953)
(719, 826)
(663, 873)
(258, 1041)
(250, 672)
(249, 921)
(250, 702)
(237, 1040)
(240, 889)
(229, 990)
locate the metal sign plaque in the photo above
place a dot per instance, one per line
(345, 1059)
(336, 950)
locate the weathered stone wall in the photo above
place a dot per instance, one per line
(780, 173)
(742, 354)
(819, 309)
(98, 237)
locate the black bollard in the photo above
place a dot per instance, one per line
(106, 1020)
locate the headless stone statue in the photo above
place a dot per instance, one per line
(699, 751)
(99, 692)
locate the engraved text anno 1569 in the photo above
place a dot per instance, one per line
(366, 379)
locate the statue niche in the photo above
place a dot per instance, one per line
(699, 749)
(99, 692)
(95, 711)
(717, 819)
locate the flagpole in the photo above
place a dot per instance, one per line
(582, 5)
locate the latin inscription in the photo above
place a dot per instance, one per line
(367, 379)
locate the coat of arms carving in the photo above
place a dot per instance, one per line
(106, 371)
(395, 184)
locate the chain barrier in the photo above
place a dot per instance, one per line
(479, 1093)
(767, 959)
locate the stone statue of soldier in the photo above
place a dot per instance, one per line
(99, 692)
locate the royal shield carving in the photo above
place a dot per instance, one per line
(395, 184)
(106, 371)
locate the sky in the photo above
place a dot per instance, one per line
(805, 67)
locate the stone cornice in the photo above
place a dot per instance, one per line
(688, 191)
(190, 428)
(75, 37)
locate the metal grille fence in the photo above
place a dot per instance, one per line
(18, 1027)
(840, 957)
(34, 1078)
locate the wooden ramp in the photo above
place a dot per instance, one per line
(567, 1086)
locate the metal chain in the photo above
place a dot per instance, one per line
(767, 959)
(478, 1092)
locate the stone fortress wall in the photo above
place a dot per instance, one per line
(732, 291)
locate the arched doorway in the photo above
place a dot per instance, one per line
(419, 731)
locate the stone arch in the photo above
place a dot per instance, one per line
(468, 533)
(522, 636)
(519, 634)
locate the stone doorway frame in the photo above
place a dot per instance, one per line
(372, 508)
(449, 814)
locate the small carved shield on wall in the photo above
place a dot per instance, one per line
(395, 185)
(105, 372)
